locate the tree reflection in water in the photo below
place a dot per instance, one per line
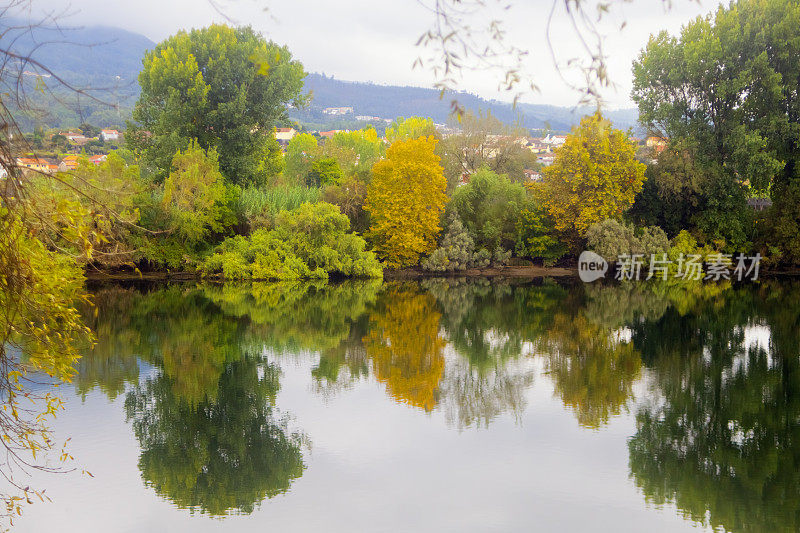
(723, 442)
(717, 434)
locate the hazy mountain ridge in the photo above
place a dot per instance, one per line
(388, 101)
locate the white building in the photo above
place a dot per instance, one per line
(555, 140)
(109, 135)
(284, 135)
(338, 110)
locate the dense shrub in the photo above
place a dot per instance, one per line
(536, 237)
(611, 238)
(456, 251)
(308, 242)
(489, 207)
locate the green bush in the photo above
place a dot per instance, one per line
(611, 238)
(489, 207)
(456, 251)
(536, 237)
(310, 242)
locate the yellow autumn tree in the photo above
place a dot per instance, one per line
(595, 176)
(405, 200)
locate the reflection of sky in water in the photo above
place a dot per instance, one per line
(376, 465)
(537, 408)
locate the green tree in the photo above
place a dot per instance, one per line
(489, 207)
(349, 195)
(725, 86)
(195, 195)
(300, 155)
(355, 151)
(324, 171)
(403, 129)
(536, 236)
(225, 87)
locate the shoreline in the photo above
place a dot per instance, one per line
(531, 272)
(414, 273)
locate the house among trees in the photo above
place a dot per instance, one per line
(338, 110)
(69, 163)
(537, 146)
(37, 164)
(284, 135)
(109, 135)
(554, 140)
(656, 143)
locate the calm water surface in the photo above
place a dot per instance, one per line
(446, 405)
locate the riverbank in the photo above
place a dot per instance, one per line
(524, 271)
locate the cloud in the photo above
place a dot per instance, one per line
(375, 40)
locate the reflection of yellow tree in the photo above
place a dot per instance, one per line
(405, 346)
(592, 372)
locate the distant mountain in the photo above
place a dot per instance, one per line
(105, 59)
(390, 101)
(109, 59)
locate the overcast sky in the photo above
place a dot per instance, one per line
(374, 40)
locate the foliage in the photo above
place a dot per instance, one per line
(724, 84)
(456, 251)
(594, 177)
(101, 199)
(308, 242)
(260, 206)
(489, 206)
(195, 195)
(404, 129)
(324, 171)
(405, 200)
(611, 239)
(536, 237)
(300, 155)
(355, 152)
(681, 193)
(40, 333)
(349, 195)
(485, 142)
(224, 87)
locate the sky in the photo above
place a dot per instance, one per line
(375, 40)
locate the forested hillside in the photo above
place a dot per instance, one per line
(389, 101)
(104, 60)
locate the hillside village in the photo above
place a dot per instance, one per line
(95, 144)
